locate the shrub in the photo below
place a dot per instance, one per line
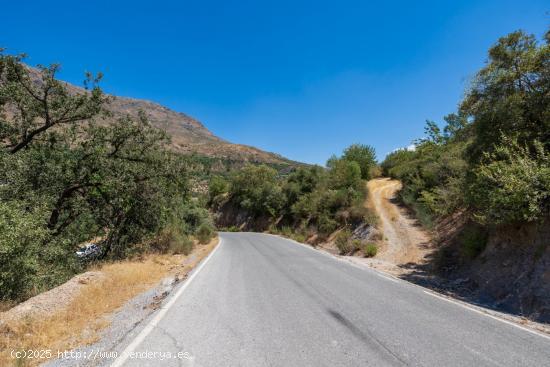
(205, 233)
(299, 237)
(217, 187)
(181, 245)
(232, 229)
(21, 234)
(364, 156)
(326, 225)
(172, 239)
(343, 241)
(512, 184)
(358, 213)
(370, 217)
(370, 250)
(375, 171)
(356, 244)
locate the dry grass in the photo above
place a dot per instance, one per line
(79, 323)
(5, 305)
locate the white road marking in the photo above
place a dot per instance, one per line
(405, 283)
(386, 277)
(487, 314)
(164, 309)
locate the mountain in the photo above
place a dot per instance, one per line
(190, 135)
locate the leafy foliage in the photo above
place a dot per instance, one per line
(370, 250)
(67, 177)
(491, 158)
(343, 241)
(364, 156)
(309, 199)
(255, 188)
(511, 184)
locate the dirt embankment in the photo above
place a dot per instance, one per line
(511, 274)
(405, 242)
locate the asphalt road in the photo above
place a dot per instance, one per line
(260, 300)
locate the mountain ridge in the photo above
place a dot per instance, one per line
(188, 135)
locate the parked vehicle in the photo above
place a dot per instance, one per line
(89, 251)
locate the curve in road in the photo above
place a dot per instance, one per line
(265, 301)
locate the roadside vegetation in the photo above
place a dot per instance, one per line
(67, 176)
(309, 201)
(82, 320)
(491, 159)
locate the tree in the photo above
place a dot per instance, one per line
(74, 178)
(216, 187)
(255, 188)
(39, 102)
(363, 155)
(512, 184)
(510, 96)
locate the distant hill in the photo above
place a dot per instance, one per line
(189, 136)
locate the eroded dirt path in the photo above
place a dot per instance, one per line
(406, 242)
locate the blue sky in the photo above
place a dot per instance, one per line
(303, 79)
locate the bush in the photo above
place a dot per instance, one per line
(217, 187)
(205, 233)
(512, 184)
(257, 190)
(371, 218)
(343, 241)
(172, 239)
(21, 235)
(299, 237)
(326, 225)
(370, 250)
(364, 156)
(181, 245)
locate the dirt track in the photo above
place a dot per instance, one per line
(406, 242)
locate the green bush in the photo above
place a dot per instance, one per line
(512, 184)
(371, 218)
(326, 225)
(21, 238)
(343, 241)
(364, 156)
(257, 190)
(205, 233)
(370, 250)
(181, 245)
(173, 239)
(356, 244)
(217, 188)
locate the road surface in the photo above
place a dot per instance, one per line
(260, 300)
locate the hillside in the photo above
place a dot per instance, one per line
(188, 135)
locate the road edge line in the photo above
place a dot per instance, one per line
(482, 312)
(163, 310)
(426, 290)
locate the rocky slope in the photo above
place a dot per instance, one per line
(188, 135)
